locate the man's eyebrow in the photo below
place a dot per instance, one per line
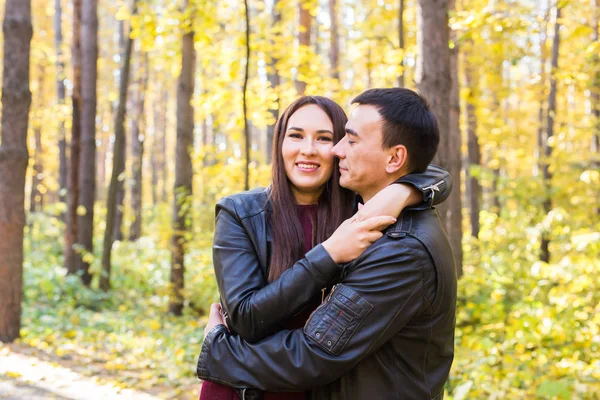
(351, 132)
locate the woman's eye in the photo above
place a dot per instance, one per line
(295, 135)
(325, 139)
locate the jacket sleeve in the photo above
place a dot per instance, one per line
(435, 184)
(377, 297)
(255, 307)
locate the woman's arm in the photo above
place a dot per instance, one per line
(419, 191)
(255, 308)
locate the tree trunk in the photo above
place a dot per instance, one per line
(334, 45)
(75, 146)
(118, 163)
(304, 44)
(274, 81)
(454, 156)
(37, 198)
(474, 152)
(245, 102)
(156, 106)
(60, 94)
(401, 41)
(16, 101)
(595, 99)
(137, 155)
(545, 242)
(120, 196)
(434, 76)
(89, 74)
(163, 158)
(183, 172)
(539, 150)
(103, 143)
(36, 195)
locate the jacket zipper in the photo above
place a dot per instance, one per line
(326, 300)
(434, 188)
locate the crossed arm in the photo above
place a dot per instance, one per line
(256, 308)
(381, 292)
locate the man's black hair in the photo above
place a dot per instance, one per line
(407, 120)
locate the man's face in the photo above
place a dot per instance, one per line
(362, 159)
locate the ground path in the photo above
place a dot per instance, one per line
(28, 377)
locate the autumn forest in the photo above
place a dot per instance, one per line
(124, 122)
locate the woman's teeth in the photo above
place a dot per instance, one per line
(307, 166)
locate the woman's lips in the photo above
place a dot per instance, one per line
(307, 167)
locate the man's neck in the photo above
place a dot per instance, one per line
(370, 192)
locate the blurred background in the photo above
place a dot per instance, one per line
(144, 113)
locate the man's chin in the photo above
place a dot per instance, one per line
(346, 184)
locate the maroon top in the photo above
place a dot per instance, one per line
(215, 391)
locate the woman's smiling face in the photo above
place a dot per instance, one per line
(306, 151)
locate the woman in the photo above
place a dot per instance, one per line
(261, 233)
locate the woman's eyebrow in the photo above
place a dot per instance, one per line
(293, 128)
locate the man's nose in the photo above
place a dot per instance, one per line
(337, 150)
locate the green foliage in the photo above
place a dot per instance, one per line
(526, 329)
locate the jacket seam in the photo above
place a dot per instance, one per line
(434, 256)
(391, 321)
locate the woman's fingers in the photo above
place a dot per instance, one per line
(378, 223)
(373, 236)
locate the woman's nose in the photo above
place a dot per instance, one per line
(309, 148)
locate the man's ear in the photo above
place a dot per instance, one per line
(397, 159)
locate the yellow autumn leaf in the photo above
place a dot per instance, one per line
(154, 325)
(114, 366)
(13, 374)
(75, 319)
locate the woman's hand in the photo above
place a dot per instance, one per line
(389, 201)
(215, 317)
(353, 237)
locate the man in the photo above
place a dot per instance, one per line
(386, 330)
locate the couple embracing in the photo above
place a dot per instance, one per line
(319, 301)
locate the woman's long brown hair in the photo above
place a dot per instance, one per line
(335, 203)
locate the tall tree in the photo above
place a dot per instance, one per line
(163, 157)
(545, 242)
(137, 150)
(401, 41)
(539, 150)
(434, 80)
(334, 44)
(118, 161)
(453, 154)
(36, 195)
(274, 81)
(245, 102)
(16, 101)
(75, 146)
(89, 75)
(595, 98)
(183, 170)
(120, 196)
(473, 187)
(155, 129)
(304, 30)
(60, 94)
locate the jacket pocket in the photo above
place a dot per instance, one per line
(332, 324)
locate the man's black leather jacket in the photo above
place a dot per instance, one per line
(386, 329)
